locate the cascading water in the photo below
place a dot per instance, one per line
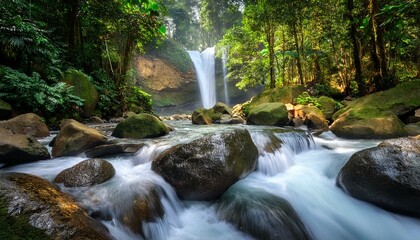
(204, 64)
(225, 72)
(292, 165)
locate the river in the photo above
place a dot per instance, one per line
(302, 171)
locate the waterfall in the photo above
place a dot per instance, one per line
(204, 67)
(225, 71)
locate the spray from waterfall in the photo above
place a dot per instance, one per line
(204, 67)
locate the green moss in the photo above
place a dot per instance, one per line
(140, 126)
(83, 88)
(17, 227)
(283, 95)
(5, 106)
(404, 95)
(270, 114)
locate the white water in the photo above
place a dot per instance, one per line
(301, 170)
(225, 72)
(204, 67)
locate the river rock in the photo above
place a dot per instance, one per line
(5, 110)
(284, 95)
(204, 168)
(113, 148)
(32, 206)
(260, 214)
(413, 129)
(140, 126)
(314, 117)
(19, 148)
(369, 122)
(29, 123)
(83, 88)
(75, 138)
(202, 116)
(328, 106)
(269, 114)
(222, 108)
(387, 175)
(86, 173)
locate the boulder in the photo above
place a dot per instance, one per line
(5, 110)
(83, 88)
(314, 117)
(86, 173)
(113, 148)
(75, 138)
(387, 175)
(222, 108)
(140, 126)
(369, 122)
(29, 123)
(132, 209)
(269, 114)
(413, 129)
(284, 95)
(260, 214)
(328, 106)
(19, 148)
(204, 168)
(202, 116)
(33, 208)
(400, 100)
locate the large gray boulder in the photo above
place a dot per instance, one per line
(86, 173)
(204, 168)
(32, 206)
(140, 126)
(261, 214)
(269, 114)
(387, 175)
(19, 148)
(75, 138)
(29, 123)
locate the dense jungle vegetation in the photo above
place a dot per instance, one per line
(336, 48)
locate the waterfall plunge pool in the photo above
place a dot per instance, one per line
(302, 171)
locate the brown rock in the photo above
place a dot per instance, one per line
(30, 124)
(75, 138)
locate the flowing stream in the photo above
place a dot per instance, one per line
(204, 64)
(292, 164)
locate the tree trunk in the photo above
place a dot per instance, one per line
(271, 53)
(356, 49)
(379, 48)
(299, 65)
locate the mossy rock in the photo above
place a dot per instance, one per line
(368, 123)
(203, 116)
(33, 208)
(222, 108)
(83, 88)
(140, 126)
(400, 100)
(327, 106)
(314, 117)
(5, 110)
(269, 114)
(283, 95)
(17, 227)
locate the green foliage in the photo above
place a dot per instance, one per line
(306, 99)
(108, 94)
(139, 101)
(172, 52)
(32, 93)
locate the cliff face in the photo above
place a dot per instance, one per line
(172, 90)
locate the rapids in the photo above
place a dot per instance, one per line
(293, 165)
